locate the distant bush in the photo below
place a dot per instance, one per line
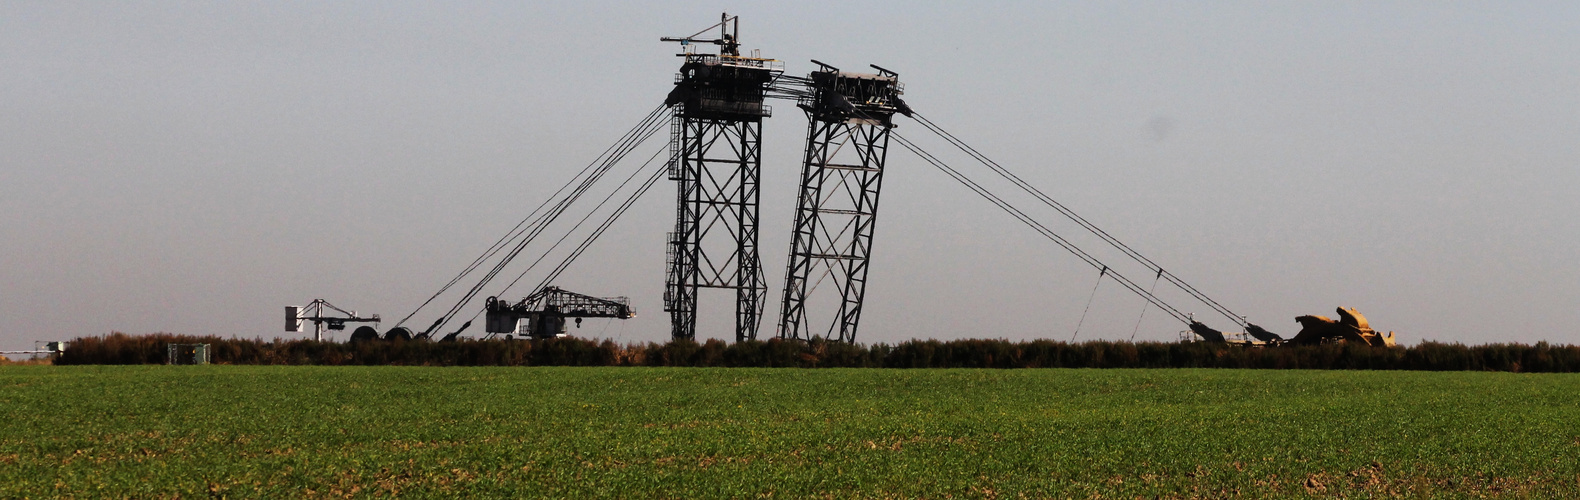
(120, 349)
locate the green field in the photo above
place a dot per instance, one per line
(271, 431)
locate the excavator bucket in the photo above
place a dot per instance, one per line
(1207, 333)
(1387, 340)
(1262, 334)
(1351, 327)
(1319, 329)
(1352, 318)
(1313, 329)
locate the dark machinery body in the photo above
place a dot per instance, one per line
(546, 310)
(715, 111)
(1351, 327)
(323, 315)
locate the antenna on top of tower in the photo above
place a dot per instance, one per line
(729, 40)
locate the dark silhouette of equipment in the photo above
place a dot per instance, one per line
(715, 112)
(322, 314)
(1351, 327)
(364, 334)
(1262, 335)
(715, 159)
(546, 310)
(729, 27)
(1207, 333)
(1253, 336)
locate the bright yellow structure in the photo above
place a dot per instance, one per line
(1351, 327)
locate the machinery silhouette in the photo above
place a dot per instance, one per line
(714, 114)
(545, 312)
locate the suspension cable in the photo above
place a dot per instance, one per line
(579, 223)
(1089, 300)
(587, 242)
(1039, 227)
(1099, 232)
(534, 216)
(1043, 229)
(548, 218)
(599, 231)
(1144, 305)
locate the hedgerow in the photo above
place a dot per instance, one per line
(120, 349)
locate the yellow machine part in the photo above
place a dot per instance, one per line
(1351, 327)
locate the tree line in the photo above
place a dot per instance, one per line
(120, 349)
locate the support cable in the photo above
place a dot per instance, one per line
(658, 173)
(534, 217)
(1144, 306)
(579, 223)
(1089, 300)
(586, 243)
(1040, 228)
(548, 218)
(1126, 249)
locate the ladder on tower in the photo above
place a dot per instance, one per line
(675, 124)
(671, 253)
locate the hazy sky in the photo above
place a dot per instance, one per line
(194, 167)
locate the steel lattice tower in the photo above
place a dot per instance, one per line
(716, 140)
(849, 116)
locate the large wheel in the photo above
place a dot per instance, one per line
(364, 334)
(398, 333)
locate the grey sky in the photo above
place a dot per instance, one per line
(193, 167)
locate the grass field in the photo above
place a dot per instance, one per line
(246, 431)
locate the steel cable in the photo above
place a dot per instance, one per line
(1144, 305)
(1039, 227)
(588, 241)
(1089, 300)
(579, 223)
(1099, 232)
(630, 142)
(534, 216)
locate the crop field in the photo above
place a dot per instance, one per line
(288, 431)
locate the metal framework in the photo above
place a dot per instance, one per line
(318, 311)
(716, 144)
(849, 118)
(546, 310)
(564, 301)
(718, 170)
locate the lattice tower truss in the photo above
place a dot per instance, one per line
(716, 145)
(849, 115)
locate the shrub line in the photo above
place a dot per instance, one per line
(123, 349)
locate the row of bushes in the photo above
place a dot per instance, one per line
(118, 348)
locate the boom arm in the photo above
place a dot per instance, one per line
(547, 309)
(575, 305)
